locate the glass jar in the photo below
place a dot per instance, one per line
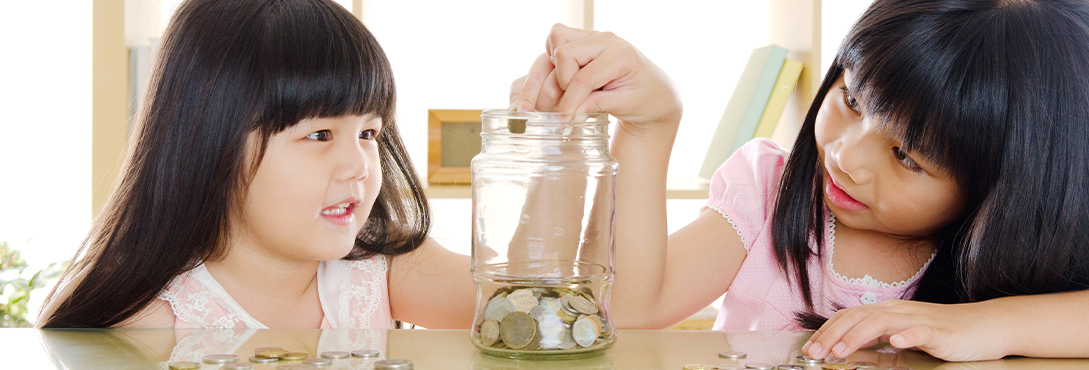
(544, 201)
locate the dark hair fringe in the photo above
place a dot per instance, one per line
(993, 92)
(226, 69)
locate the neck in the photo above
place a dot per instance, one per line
(263, 274)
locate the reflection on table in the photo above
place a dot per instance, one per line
(451, 349)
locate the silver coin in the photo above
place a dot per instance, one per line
(728, 367)
(393, 364)
(498, 308)
(319, 361)
(336, 354)
(584, 332)
(809, 360)
(733, 355)
(759, 366)
(863, 365)
(366, 353)
(263, 360)
(237, 366)
(582, 305)
(790, 367)
(297, 367)
(219, 359)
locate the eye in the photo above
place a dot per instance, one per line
(903, 158)
(323, 135)
(849, 99)
(368, 134)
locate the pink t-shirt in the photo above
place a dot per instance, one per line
(761, 297)
(353, 295)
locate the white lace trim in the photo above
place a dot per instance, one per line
(712, 206)
(366, 295)
(866, 280)
(196, 311)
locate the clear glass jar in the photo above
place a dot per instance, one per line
(544, 201)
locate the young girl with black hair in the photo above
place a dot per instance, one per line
(937, 189)
(266, 186)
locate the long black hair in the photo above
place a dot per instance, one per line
(993, 91)
(228, 69)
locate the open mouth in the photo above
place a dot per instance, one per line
(840, 198)
(340, 214)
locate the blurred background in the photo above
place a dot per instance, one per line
(71, 73)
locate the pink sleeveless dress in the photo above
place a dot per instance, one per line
(760, 296)
(353, 295)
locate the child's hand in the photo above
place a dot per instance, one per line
(587, 71)
(952, 332)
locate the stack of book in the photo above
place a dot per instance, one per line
(754, 108)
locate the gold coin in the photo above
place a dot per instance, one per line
(295, 356)
(585, 332)
(582, 305)
(698, 367)
(566, 316)
(498, 308)
(518, 330)
(489, 332)
(863, 365)
(837, 367)
(272, 353)
(184, 365)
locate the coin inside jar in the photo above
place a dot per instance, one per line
(585, 332)
(518, 330)
(489, 332)
(582, 305)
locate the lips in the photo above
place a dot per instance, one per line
(839, 197)
(339, 214)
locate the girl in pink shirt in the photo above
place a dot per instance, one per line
(937, 188)
(266, 186)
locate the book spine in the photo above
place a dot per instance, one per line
(784, 86)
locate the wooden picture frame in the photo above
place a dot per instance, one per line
(453, 138)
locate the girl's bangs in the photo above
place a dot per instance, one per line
(306, 72)
(953, 67)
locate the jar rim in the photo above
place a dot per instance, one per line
(570, 118)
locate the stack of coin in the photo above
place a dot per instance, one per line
(542, 318)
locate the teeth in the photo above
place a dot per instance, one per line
(339, 210)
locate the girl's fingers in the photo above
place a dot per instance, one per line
(915, 336)
(570, 58)
(561, 35)
(533, 82)
(550, 94)
(516, 92)
(869, 330)
(818, 336)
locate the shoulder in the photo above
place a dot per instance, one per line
(744, 188)
(157, 314)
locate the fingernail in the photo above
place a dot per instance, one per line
(805, 347)
(839, 348)
(815, 350)
(897, 341)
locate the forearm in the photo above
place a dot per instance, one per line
(641, 232)
(1046, 325)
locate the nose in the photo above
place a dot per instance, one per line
(354, 162)
(853, 155)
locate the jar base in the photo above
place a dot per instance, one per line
(546, 354)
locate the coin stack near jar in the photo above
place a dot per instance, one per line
(542, 318)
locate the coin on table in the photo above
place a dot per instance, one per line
(698, 367)
(790, 367)
(897, 368)
(733, 355)
(263, 360)
(393, 364)
(585, 332)
(297, 367)
(237, 366)
(489, 332)
(272, 353)
(295, 356)
(809, 360)
(336, 354)
(863, 365)
(582, 305)
(837, 367)
(219, 359)
(759, 366)
(365, 353)
(518, 330)
(728, 367)
(184, 365)
(318, 361)
(498, 308)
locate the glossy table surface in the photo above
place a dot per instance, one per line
(434, 349)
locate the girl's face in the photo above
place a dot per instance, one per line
(314, 189)
(870, 182)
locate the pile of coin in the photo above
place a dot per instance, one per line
(542, 318)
